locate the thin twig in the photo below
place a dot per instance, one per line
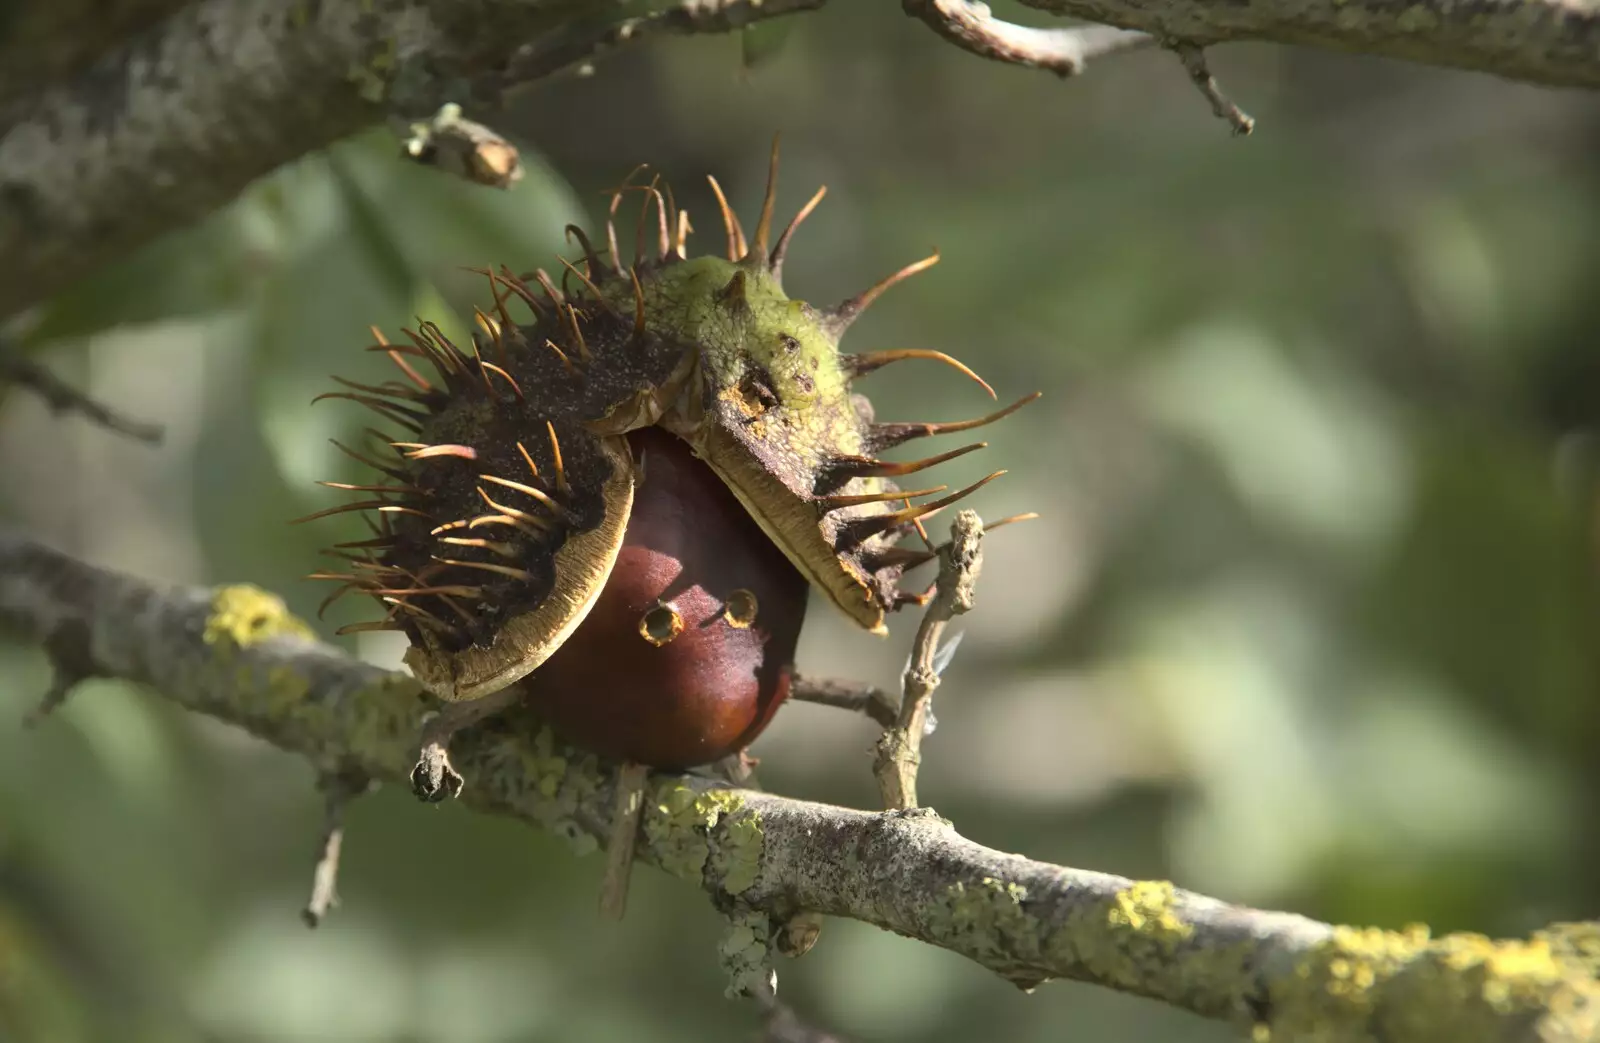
(71, 663)
(881, 706)
(338, 790)
(578, 48)
(631, 781)
(454, 145)
(899, 751)
(1194, 61)
(63, 398)
(1064, 52)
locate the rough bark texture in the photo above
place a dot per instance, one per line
(1553, 42)
(175, 122)
(236, 654)
(46, 41)
(157, 113)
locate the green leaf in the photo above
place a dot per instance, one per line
(199, 270)
(762, 42)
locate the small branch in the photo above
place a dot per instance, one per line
(63, 398)
(236, 654)
(1194, 62)
(585, 42)
(879, 705)
(1538, 41)
(620, 846)
(70, 665)
(338, 790)
(433, 778)
(465, 149)
(899, 751)
(1064, 52)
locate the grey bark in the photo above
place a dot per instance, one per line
(235, 654)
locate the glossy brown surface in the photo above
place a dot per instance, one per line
(688, 652)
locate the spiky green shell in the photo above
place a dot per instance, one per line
(769, 409)
(489, 553)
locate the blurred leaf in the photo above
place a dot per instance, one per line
(442, 224)
(194, 271)
(763, 41)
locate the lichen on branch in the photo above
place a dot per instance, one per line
(236, 654)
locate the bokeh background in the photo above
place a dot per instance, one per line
(1309, 620)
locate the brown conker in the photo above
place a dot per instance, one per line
(689, 649)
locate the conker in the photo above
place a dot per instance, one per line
(689, 649)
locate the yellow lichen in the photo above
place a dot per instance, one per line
(737, 858)
(1147, 907)
(242, 615)
(1461, 988)
(678, 822)
(1134, 938)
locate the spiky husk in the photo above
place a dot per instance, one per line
(511, 491)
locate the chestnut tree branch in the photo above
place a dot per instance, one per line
(899, 749)
(62, 397)
(970, 26)
(164, 110)
(175, 121)
(236, 654)
(875, 703)
(1550, 42)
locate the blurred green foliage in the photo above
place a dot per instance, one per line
(1309, 620)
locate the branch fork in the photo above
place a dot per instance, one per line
(899, 749)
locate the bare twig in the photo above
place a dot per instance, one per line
(899, 751)
(577, 48)
(624, 835)
(63, 398)
(1064, 52)
(233, 653)
(433, 777)
(454, 145)
(70, 664)
(881, 706)
(1194, 62)
(338, 788)
(213, 96)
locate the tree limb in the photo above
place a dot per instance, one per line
(877, 704)
(178, 120)
(1550, 42)
(236, 654)
(972, 27)
(47, 41)
(62, 397)
(899, 749)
